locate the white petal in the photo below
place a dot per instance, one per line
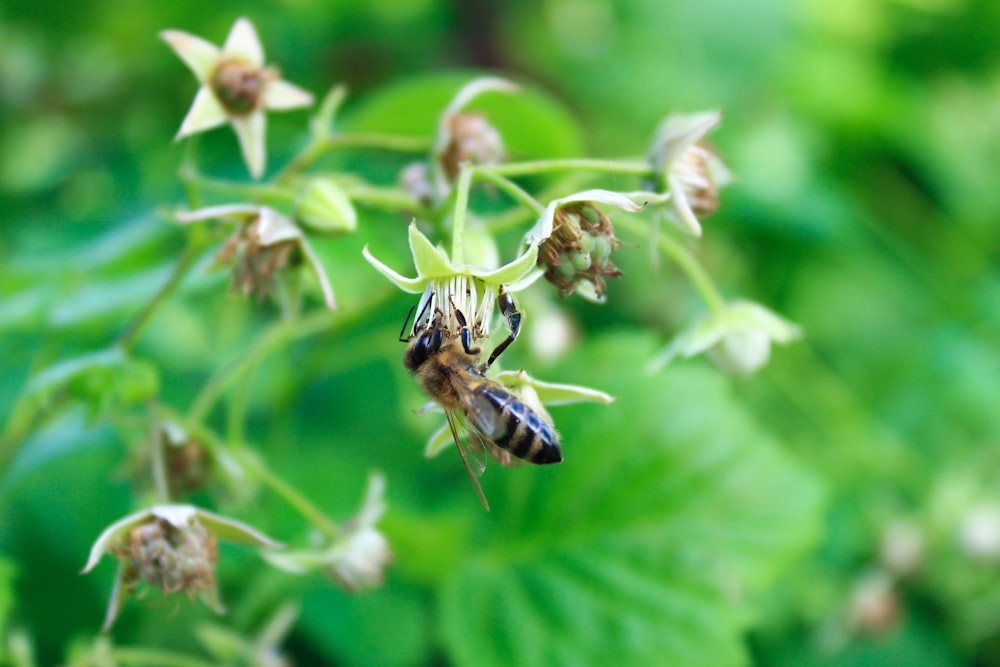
(684, 215)
(681, 131)
(244, 43)
(199, 55)
(274, 228)
(283, 95)
(603, 197)
(204, 114)
(250, 131)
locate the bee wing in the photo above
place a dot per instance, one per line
(465, 461)
(480, 412)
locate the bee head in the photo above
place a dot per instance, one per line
(426, 344)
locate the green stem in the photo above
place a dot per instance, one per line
(274, 336)
(322, 145)
(139, 322)
(518, 193)
(458, 219)
(687, 262)
(156, 455)
(633, 168)
(149, 656)
(293, 497)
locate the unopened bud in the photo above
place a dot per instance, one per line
(325, 207)
(474, 140)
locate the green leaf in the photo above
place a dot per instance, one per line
(672, 506)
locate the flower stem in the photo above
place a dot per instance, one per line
(687, 262)
(156, 456)
(634, 168)
(458, 219)
(518, 193)
(272, 337)
(293, 497)
(321, 145)
(149, 656)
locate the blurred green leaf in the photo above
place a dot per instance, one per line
(672, 507)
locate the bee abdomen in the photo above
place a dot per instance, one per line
(521, 431)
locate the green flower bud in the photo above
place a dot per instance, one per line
(325, 207)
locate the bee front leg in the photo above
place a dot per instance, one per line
(513, 316)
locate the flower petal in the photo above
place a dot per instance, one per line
(551, 393)
(109, 533)
(199, 55)
(244, 43)
(513, 272)
(272, 227)
(250, 131)
(237, 532)
(280, 95)
(373, 506)
(210, 212)
(684, 216)
(431, 262)
(204, 114)
(603, 197)
(411, 285)
(119, 593)
(678, 132)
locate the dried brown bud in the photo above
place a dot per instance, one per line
(256, 264)
(473, 141)
(169, 558)
(239, 86)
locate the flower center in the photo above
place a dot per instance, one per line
(239, 86)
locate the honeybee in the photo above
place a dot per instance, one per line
(450, 372)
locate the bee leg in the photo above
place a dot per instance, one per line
(510, 313)
(406, 339)
(466, 333)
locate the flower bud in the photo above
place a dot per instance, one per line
(874, 606)
(474, 140)
(325, 207)
(415, 179)
(979, 533)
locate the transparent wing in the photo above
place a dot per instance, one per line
(473, 474)
(481, 413)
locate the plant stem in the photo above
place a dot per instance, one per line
(634, 168)
(156, 456)
(458, 219)
(272, 337)
(149, 656)
(687, 262)
(518, 193)
(293, 497)
(316, 148)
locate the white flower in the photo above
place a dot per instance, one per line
(688, 170)
(236, 87)
(472, 288)
(736, 338)
(262, 228)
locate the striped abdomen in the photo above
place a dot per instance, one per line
(518, 429)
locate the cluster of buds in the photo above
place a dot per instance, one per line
(579, 249)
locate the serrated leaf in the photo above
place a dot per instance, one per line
(671, 507)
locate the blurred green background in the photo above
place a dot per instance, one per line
(865, 140)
